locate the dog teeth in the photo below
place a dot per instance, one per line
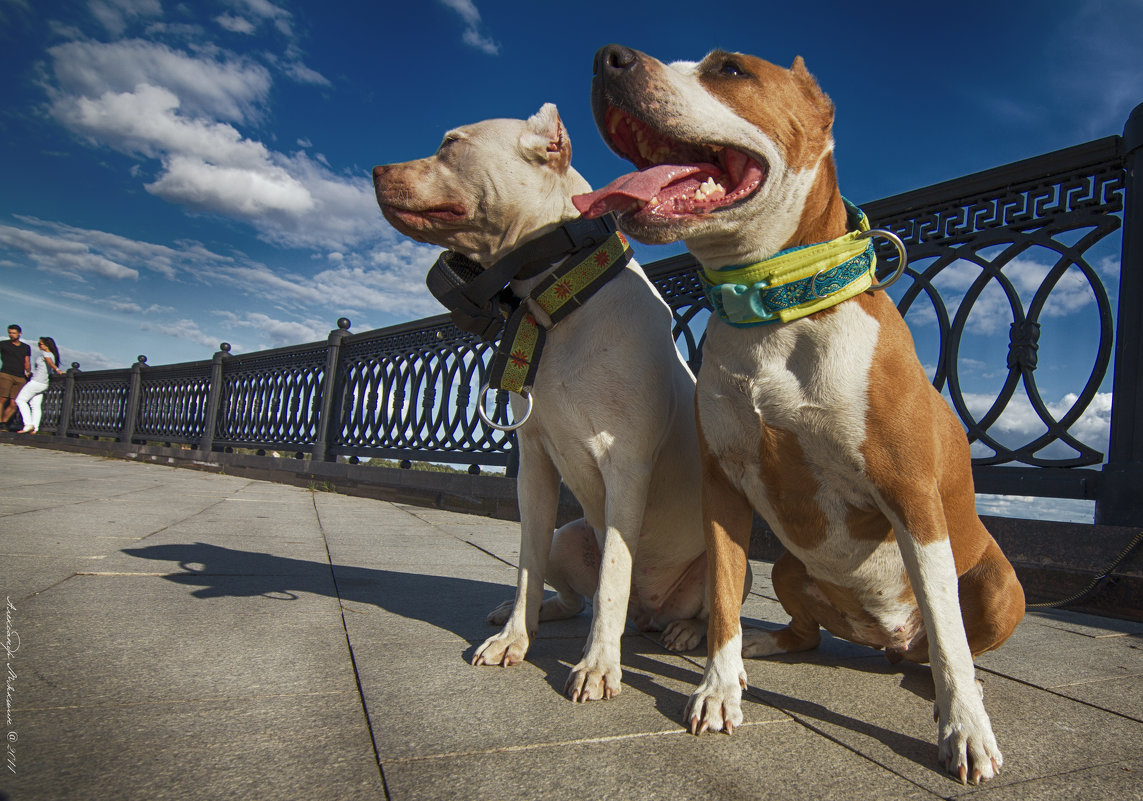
(709, 188)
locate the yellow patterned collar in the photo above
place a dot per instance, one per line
(800, 281)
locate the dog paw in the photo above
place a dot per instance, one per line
(968, 749)
(683, 635)
(758, 642)
(499, 615)
(504, 649)
(716, 706)
(596, 677)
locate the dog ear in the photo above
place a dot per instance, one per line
(810, 88)
(546, 139)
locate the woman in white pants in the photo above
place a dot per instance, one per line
(31, 398)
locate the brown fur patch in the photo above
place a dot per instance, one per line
(787, 104)
(791, 486)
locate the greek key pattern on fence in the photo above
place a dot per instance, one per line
(1067, 208)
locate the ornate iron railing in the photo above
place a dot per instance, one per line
(1021, 244)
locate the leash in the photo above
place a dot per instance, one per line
(593, 252)
(1095, 582)
(800, 281)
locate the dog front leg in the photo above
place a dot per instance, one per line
(537, 492)
(599, 673)
(716, 704)
(966, 745)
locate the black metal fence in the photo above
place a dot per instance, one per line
(409, 391)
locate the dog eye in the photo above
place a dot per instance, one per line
(730, 67)
(448, 140)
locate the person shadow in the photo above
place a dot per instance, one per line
(459, 605)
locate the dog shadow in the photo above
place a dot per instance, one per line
(452, 604)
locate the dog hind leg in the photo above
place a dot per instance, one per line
(794, 589)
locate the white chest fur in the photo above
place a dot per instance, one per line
(803, 385)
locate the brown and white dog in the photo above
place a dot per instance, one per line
(826, 425)
(613, 405)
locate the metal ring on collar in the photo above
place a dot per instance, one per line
(902, 256)
(488, 422)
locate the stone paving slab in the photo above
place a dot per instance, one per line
(191, 635)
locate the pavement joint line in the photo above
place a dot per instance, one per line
(494, 556)
(79, 501)
(139, 539)
(1052, 691)
(1082, 769)
(509, 749)
(349, 648)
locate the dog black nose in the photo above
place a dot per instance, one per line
(615, 58)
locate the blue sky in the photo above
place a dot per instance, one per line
(177, 174)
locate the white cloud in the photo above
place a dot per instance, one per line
(64, 249)
(282, 19)
(62, 257)
(218, 85)
(472, 36)
(235, 24)
(236, 191)
(88, 359)
(187, 330)
(1020, 424)
(277, 333)
(114, 14)
(303, 74)
(1029, 508)
(208, 165)
(991, 312)
(389, 279)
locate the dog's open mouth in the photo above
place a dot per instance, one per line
(675, 179)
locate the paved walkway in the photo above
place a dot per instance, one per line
(183, 635)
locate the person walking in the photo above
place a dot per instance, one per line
(15, 365)
(31, 397)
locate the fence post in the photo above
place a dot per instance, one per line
(68, 400)
(134, 392)
(213, 398)
(329, 412)
(1121, 484)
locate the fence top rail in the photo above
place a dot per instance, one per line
(1045, 168)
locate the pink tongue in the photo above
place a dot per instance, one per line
(643, 185)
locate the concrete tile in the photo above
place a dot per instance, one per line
(211, 552)
(407, 606)
(437, 703)
(885, 713)
(1049, 657)
(120, 640)
(302, 746)
(775, 760)
(1081, 623)
(1122, 696)
(1122, 781)
(24, 575)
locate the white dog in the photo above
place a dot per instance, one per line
(613, 404)
(813, 407)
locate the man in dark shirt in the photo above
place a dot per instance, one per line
(16, 358)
